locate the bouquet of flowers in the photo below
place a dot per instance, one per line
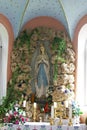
(76, 109)
(15, 116)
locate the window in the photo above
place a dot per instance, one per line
(3, 60)
(82, 67)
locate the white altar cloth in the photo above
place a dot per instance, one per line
(37, 123)
(43, 127)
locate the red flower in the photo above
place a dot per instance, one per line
(26, 120)
(22, 119)
(5, 120)
(15, 113)
(17, 122)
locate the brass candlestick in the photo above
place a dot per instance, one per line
(55, 109)
(64, 114)
(51, 121)
(60, 122)
(70, 122)
(55, 114)
(34, 115)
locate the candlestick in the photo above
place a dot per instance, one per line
(70, 111)
(51, 121)
(55, 108)
(60, 121)
(70, 122)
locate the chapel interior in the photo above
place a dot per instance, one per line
(43, 55)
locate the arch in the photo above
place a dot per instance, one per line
(81, 22)
(80, 29)
(81, 64)
(44, 21)
(6, 37)
(4, 20)
(3, 59)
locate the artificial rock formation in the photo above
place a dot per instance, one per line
(21, 59)
(65, 83)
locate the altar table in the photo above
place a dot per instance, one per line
(43, 127)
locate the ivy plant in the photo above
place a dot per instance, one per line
(59, 46)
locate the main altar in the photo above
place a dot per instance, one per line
(42, 86)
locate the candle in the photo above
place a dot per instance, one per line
(24, 103)
(70, 111)
(66, 104)
(52, 111)
(55, 104)
(34, 111)
(35, 105)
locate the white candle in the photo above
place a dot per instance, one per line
(24, 103)
(55, 104)
(52, 111)
(70, 111)
(35, 105)
(66, 104)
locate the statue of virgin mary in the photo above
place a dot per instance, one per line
(42, 73)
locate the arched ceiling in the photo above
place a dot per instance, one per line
(68, 12)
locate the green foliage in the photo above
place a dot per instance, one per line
(76, 111)
(55, 70)
(68, 86)
(59, 46)
(9, 100)
(24, 37)
(12, 94)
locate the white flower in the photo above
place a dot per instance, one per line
(24, 113)
(7, 114)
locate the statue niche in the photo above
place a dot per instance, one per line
(41, 72)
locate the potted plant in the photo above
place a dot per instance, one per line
(15, 115)
(76, 111)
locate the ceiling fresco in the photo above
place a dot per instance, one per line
(68, 12)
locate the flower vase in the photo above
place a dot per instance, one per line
(76, 120)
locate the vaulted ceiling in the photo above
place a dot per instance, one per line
(68, 12)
